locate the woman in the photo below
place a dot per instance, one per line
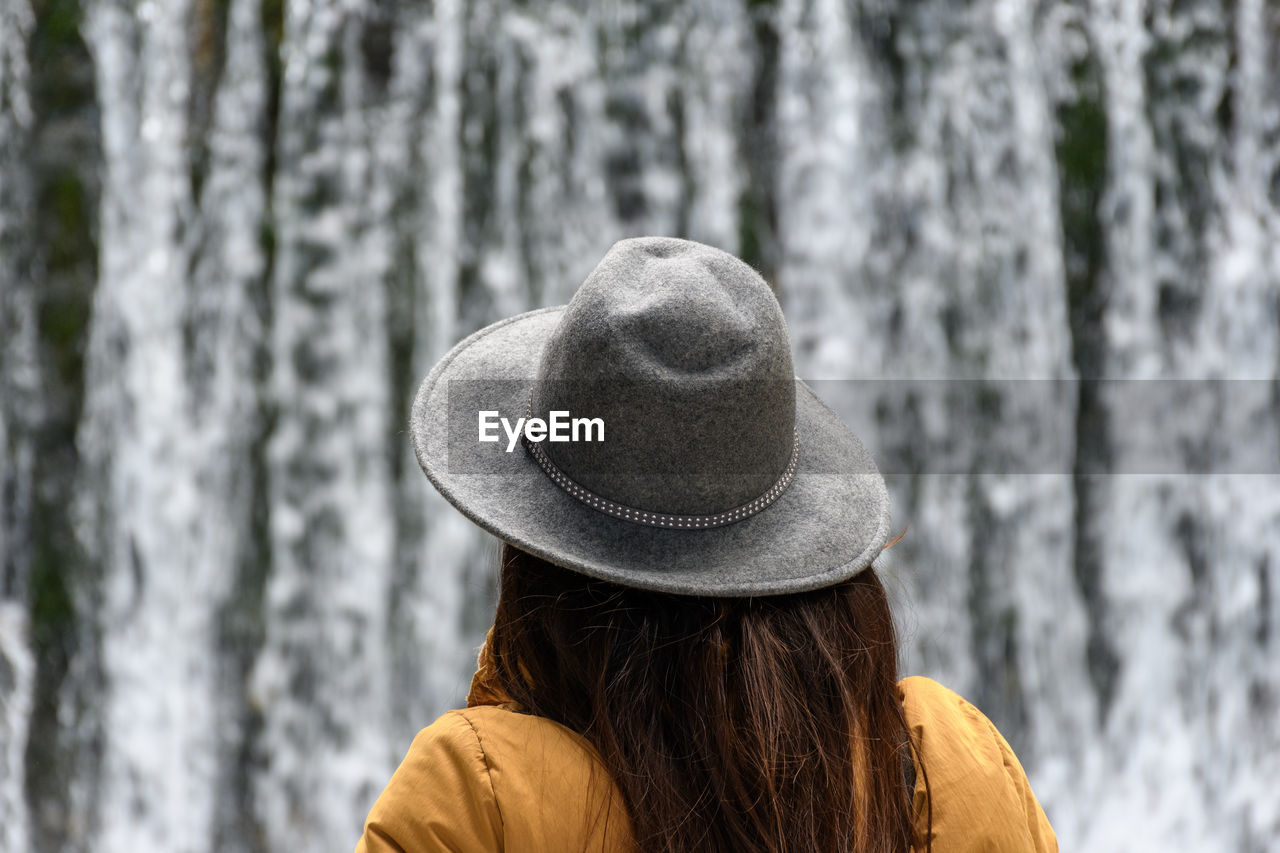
(692, 650)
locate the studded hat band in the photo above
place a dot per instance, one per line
(659, 519)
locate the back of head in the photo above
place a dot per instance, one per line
(728, 724)
(701, 606)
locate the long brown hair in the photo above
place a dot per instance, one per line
(728, 724)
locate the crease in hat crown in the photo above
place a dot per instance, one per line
(683, 351)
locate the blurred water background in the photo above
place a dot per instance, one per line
(234, 234)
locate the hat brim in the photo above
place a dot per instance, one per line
(830, 523)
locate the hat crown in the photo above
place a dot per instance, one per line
(682, 351)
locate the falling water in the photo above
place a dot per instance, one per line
(233, 237)
(18, 397)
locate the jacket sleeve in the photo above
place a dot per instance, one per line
(1039, 832)
(439, 799)
(979, 798)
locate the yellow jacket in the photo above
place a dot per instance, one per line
(489, 778)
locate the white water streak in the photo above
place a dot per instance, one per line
(18, 390)
(322, 679)
(166, 417)
(156, 634)
(19, 409)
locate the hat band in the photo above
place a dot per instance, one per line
(659, 519)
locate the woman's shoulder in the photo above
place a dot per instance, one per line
(504, 739)
(440, 797)
(487, 778)
(952, 732)
(981, 797)
(512, 740)
(930, 703)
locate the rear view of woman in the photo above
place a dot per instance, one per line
(692, 650)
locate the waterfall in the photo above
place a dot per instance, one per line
(18, 395)
(168, 405)
(1028, 250)
(321, 678)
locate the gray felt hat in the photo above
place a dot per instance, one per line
(667, 443)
